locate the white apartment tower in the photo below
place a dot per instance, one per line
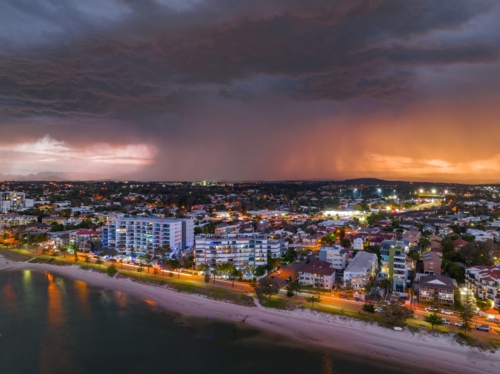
(243, 250)
(147, 233)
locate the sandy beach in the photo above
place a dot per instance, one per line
(437, 353)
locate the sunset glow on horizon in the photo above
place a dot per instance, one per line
(254, 90)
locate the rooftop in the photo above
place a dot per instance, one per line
(361, 262)
(439, 281)
(318, 267)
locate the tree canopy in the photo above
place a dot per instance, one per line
(478, 253)
(396, 314)
(267, 287)
(434, 319)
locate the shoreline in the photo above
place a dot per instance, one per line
(310, 329)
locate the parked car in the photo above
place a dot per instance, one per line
(459, 324)
(357, 299)
(431, 310)
(379, 310)
(445, 321)
(343, 296)
(483, 328)
(447, 311)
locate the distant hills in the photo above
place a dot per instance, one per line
(48, 176)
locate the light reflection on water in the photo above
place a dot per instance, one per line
(9, 297)
(52, 345)
(50, 324)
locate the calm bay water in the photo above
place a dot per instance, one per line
(51, 324)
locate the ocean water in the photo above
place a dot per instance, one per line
(51, 324)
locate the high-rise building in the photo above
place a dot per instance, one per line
(13, 201)
(243, 250)
(147, 233)
(393, 259)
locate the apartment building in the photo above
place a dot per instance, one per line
(13, 201)
(318, 274)
(484, 282)
(432, 263)
(146, 233)
(14, 219)
(360, 270)
(335, 255)
(84, 238)
(393, 260)
(437, 289)
(243, 250)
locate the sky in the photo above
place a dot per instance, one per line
(251, 90)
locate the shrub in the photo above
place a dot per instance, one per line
(111, 270)
(370, 308)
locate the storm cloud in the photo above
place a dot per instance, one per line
(219, 89)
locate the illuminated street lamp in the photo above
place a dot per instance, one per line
(433, 191)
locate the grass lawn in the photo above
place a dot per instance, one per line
(276, 303)
(335, 310)
(187, 286)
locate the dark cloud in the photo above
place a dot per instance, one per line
(141, 69)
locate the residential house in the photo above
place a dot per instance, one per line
(459, 243)
(317, 274)
(312, 240)
(480, 235)
(411, 236)
(437, 288)
(225, 228)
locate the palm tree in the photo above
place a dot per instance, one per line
(75, 251)
(166, 248)
(148, 260)
(64, 250)
(386, 284)
(99, 261)
(235, 273)
(87, 259)
(140, 269)
(175, 264)
(214, 272)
